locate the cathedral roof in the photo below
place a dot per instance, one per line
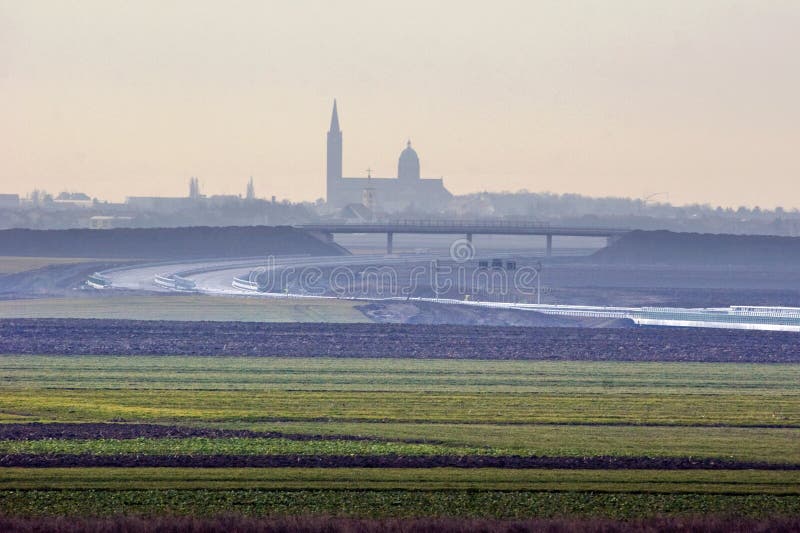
(408, 165)
(409, 153)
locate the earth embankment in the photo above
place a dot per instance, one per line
(165, 243)
(667, 247)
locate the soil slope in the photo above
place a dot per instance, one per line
(164, 243)
(666, 247)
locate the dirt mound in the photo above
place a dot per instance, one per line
(666, 247)
(165, 243)
(444, 314)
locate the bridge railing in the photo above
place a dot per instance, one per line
(466, 224)
(438, 222)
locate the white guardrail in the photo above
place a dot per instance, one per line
(244, 284)
(175, 283)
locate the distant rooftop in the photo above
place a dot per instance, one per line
(73, 197)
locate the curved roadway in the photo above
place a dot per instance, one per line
(216, 277)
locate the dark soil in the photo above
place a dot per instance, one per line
(100, 430)
(328, 524)
(381, 461)
(128, 337)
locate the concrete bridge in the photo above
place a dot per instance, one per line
(462, 227)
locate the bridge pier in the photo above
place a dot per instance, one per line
(389, 242)
(549, 252)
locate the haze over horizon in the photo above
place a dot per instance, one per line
(697, 99)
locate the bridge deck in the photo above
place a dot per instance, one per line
(465, 227)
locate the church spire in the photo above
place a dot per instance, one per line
(334, 118)
(334, 166)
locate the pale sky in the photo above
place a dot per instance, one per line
(696, 98)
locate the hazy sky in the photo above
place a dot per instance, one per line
(696, 98)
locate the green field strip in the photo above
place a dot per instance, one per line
(760, 445)
(231, 373)
(646, 481)
(187, 307)
(232, 446)
(771, 445)
(444, 407)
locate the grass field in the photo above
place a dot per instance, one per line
(199, 406)
(733, 412)
(404, 375)
(234, 446)
(186, 307)
(500, 407)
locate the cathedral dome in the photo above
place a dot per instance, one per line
(408, 165)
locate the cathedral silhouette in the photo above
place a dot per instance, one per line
(408, 189)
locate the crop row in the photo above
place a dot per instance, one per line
(232, 446)
(249, 373)
(740, 445)
(329, 524)
(342, 452)
(655, 481)
(381, 461)
(389, 503)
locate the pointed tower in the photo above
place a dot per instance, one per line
(334, 163)
(194, 188)
(251, 190)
